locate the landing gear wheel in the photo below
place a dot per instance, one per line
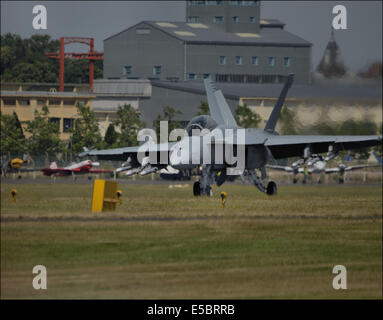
(271, 188)
(341, 181)
(295, 180)
(197, 188)
(209, 191)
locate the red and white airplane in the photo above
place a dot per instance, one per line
(82, 167)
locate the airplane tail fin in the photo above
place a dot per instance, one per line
(219, 109)
(53, 165)
(272, 122)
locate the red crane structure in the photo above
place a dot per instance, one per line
(62, 55)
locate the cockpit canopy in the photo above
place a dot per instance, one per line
(200, 123)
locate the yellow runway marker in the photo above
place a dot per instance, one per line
(119, 195)
(223, 198)
(14, 194)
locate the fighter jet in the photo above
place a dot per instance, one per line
(251, 148)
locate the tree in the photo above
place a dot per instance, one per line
(288, 122)
(374, 71)
(12, 137)
(86, 132)
(44, 135)
(129, 123)
(111, 136)
(168, 115)
(247, 118)
(203, 109)
(363, 127)
(25, 60)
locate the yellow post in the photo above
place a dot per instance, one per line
(14, 194)
(223, 198)
(104, 195)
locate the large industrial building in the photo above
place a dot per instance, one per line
(225, 40)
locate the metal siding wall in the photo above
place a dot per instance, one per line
(205, 59)
(143, 52)
(206, 15)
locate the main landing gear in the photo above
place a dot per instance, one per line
(270, 189)
(197, 190)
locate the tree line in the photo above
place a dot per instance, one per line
(44, 135)
(24, 60)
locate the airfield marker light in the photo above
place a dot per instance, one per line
(14, 194)
(119, 194)
(223, 198)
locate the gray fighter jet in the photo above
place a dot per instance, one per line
(256, 147)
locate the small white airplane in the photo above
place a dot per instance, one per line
(316, 164)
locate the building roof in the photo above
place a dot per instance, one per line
(8, 93)
(122, 87)
(271, 34)
(252, 90)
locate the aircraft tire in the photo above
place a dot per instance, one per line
(197, 189)
(271, 188)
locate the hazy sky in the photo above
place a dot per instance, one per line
(360, 44)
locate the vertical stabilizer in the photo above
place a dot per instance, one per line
(272, 122)
(219, 109)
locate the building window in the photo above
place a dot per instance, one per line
(271, 61)
(252, 19)
(157, 70)
(192, 76)
(206, 75)
(238, 60)
(235, 19)
(127, 70)
(24, 102)
(56, 121)
(69, 102)
(234, 2)
(218, 19)
(9, 102)
(254, 61)
(222, 60)
(68, 124)
(214, 3)
(193, 19)
(41, 102)
(54, 102)
(201, 2)
(286, 61)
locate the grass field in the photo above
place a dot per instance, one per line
(163, 243)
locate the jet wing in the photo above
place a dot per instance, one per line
(49, 171)
(122, 154)
(293, 146)
(361, 167)
(280, 168)
(332, 170)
